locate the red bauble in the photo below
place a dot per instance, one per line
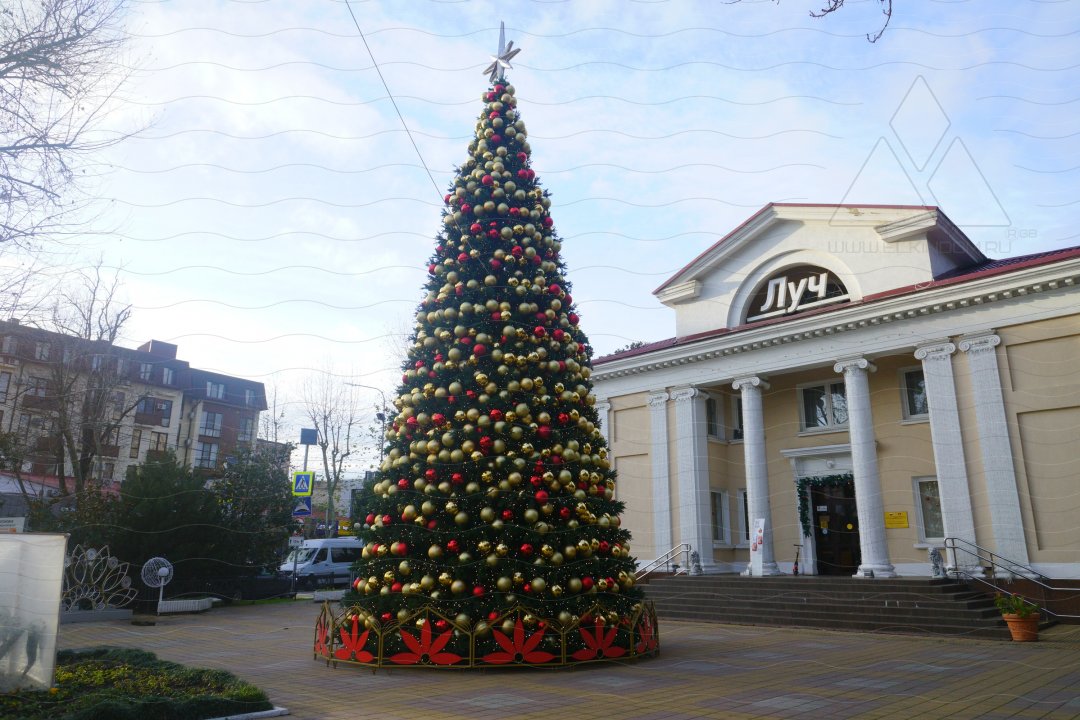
(604, 546)
(495, 265)
(396, 587)
(432, 524)
(495, 316)
(386, 519)
(496, 415)
(387, 617)
(462, 257)
(403, 483)
(431, 474)
(493, 615)
(400, 549)
(479, 350)
(523, 174)
(516, 251)
(522, 157)
(452, 546)
(496, 139)
(536, 481)
(526, 550)
(486, 443)
(370, 519)
(487, 180)
(539, 331)
(563, 418)
(541, 496)
(548, 222)
(475, 228)
(587, 582)
(564, 513)
(544, 431)
(356, 584)
(478, 591)
(507, 515)
(457, 478)
(554, 288)
(438, 418)
(441, 625)
(493, 234)
(558, 334)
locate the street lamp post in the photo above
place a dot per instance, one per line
(381, 416)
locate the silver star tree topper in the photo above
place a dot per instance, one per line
(501, 62)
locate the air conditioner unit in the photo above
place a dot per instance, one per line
(187, 442)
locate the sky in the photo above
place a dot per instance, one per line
(274, 213)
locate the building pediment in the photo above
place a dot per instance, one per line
(787, 259)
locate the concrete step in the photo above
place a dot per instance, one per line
(913, 605)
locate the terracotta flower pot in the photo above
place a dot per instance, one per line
(1023, 629)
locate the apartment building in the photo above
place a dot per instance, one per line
(126, 405)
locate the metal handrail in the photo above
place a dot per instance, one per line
(665, 561)
(989, 560)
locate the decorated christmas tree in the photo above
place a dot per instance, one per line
(491, 534)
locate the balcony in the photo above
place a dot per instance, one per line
(157, 455)
(111, 451)
(151, 418)
(39, 402)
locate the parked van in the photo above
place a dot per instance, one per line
(323, 561)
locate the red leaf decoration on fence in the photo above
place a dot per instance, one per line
(520, 649)
(352, 644)
(599, 644)
(322, 635)
(647, 634)
(425, 649)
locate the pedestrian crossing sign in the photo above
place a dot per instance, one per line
(302, 483)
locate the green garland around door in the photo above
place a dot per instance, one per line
(804, 497)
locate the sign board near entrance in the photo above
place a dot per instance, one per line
(896, 520)
(12, 524)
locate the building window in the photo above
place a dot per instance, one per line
(712, 418)
(168, 376)
(215, 391)
(247, 430)
(41, 350)
(146, 371)
(37, 387)
(916, 406)
(744, 518)
(108, 469)
(116, 402)
(96, 362)
(164, 408)
(206, 455)
(9, 345)
(249, 398)
(928, 509)
(721, 533)
(159, 442)
(211, 424)
(736, 417)
(121, 367)
(5, 384)
(823, 406)
(112, 437)
(136, 441)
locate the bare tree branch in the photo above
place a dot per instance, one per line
(59, 74)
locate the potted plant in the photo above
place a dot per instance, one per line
(1020, 615)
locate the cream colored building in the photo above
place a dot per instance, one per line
(868, 383)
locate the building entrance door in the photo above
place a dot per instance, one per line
(836, 529)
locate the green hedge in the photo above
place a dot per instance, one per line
(124, 684)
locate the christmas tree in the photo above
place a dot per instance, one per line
(493, 515)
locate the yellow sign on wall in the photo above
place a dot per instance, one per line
(896, 520)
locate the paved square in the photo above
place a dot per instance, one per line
(704, 671)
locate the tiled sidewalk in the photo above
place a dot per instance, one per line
(704, 671)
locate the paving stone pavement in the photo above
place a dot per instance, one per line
(704, 671)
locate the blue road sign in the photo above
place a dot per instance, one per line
(302, 508)
(302, 482)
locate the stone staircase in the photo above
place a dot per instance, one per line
(899, 605)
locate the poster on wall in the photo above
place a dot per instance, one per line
(757, 540)
(31, 583)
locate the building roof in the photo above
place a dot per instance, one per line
(777, 212)
(978, 271)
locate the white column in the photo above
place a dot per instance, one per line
(996, 447)
(757, 467)
(661, 485)
(695, 521)
(948, 443)
(603, 411)
(871, 507)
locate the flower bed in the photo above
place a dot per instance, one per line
(119, 683)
